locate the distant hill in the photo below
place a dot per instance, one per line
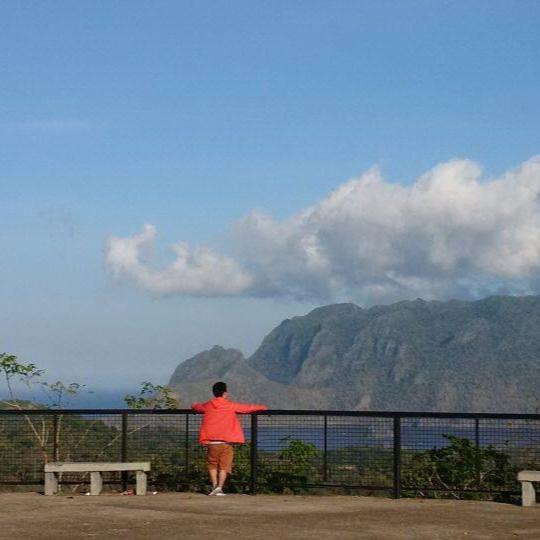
(193, 379)
(481, 356)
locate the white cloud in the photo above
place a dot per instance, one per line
(194, 272)
(451, 233)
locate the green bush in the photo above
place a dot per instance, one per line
(459, 466)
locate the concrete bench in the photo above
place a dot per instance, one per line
(52, 470)
(528, 495)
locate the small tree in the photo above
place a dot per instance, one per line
(59, 394)
(298, 463)
(152, 396)
(14, 371)
(11, 370)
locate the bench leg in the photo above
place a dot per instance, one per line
(141, 483)
(96, 483)
(51, 483)
(528, 495)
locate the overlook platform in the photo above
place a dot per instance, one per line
(193, 516)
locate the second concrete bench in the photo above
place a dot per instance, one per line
(528, 495)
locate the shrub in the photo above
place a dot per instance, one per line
(459, 466)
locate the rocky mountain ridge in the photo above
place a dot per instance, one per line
(481, 356)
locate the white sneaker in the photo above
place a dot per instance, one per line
(216, 491)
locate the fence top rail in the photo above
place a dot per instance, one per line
(282, 412)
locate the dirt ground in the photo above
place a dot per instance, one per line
(191, 516)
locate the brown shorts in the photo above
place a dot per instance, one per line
(219, 456)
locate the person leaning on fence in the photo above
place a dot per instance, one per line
(219, 430)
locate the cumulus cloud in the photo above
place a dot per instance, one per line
(196, 271)
(451, 233)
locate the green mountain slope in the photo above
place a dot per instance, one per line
(446, 356)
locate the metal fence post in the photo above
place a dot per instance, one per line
(253, 455)
(56, 437)
(325, 454)
(477, 454)
(123, 448)
(397, 457)
(186, 448)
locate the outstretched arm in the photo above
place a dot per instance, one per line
(246, 408)
(198, 407)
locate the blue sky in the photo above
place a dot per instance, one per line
(190, 115)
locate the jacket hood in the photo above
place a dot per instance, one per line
(218, 402)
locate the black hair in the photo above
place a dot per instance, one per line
(219, 389)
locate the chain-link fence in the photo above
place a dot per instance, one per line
(467, 455)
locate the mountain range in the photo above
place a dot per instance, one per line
(454, 356)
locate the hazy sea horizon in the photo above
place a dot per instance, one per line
(102, 399)
(85, 399)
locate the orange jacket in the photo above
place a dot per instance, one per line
(220, 422)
